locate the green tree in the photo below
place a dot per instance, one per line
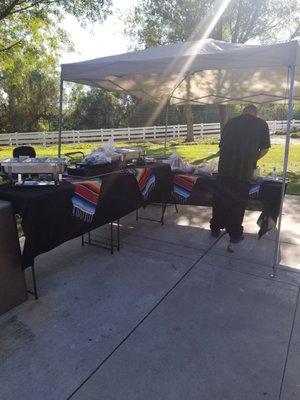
(153, 22)
(31, 39)
(96, 108)
(29, 78)
(31, 103)
(18, 10)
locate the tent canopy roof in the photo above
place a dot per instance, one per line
(200, 72)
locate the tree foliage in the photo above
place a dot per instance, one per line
(13, 12)
(29, 78)
(31, 39)
(92, 10)
(153, 22)
(96, 108)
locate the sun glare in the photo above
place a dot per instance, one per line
(201, 31)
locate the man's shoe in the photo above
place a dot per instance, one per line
(236, 240)
(215, 233)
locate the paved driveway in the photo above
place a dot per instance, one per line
(172, 316)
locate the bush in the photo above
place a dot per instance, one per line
(295, 135)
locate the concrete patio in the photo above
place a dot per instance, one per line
(173, 316)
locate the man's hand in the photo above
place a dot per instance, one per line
(262, 153)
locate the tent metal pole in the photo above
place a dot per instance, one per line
(291, 72)
(60, 122)
(166, 129)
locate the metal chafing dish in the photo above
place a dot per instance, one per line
(129, 155)
(34, 171)
(95, 164)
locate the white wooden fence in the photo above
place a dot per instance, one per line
(121, 134)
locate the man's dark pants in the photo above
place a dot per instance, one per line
(230, 199)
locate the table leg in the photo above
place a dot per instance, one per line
(176, 208)
(35, 292)
(111, 239)
(118, 234)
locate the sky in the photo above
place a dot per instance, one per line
(98, 40)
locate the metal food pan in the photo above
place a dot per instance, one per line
(34, 166)
(129, 154)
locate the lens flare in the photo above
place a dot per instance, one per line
(202, 31)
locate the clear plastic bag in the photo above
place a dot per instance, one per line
(207, 168)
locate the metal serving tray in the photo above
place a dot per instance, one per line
(34, 166)
(129, 154)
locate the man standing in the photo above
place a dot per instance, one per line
(244, 140)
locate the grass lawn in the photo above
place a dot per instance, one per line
(193, 153)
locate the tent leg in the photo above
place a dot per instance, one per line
(166, 130)
(60, 123)
(291, 72)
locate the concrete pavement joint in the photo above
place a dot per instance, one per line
(154, 250)
(158, 240)
(289, 345)
(266, 237)
(160, 251)
(143, 319)
(221, 254)
(267, 276)
(162, 240)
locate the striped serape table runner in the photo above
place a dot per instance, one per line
(145, 178)
(183, 186)
(86, 197)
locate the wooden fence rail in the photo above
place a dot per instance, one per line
(121, 134)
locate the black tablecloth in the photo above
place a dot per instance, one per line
(47, 212)
(162, 191)
(267, 200)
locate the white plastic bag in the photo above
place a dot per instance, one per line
(207, 167)
(175, 161)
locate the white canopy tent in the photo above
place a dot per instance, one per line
(200, 72)
(218, 72)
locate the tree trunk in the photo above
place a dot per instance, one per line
(223, 114)
(223, 108)
(189, 112)
(189, 123)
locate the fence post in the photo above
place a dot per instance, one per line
(174, 131)
(16, 139)
(44, 139)
(154, 132)
(144, 133)
(128, 134)
(293, 124)
(78, 136)
(201, 130)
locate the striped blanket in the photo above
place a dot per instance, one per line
(183, 186)
(254, 191)
(85, 199)
(146, 180)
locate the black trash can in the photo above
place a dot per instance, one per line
(12, 280)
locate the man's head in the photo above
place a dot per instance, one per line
(250, 109)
